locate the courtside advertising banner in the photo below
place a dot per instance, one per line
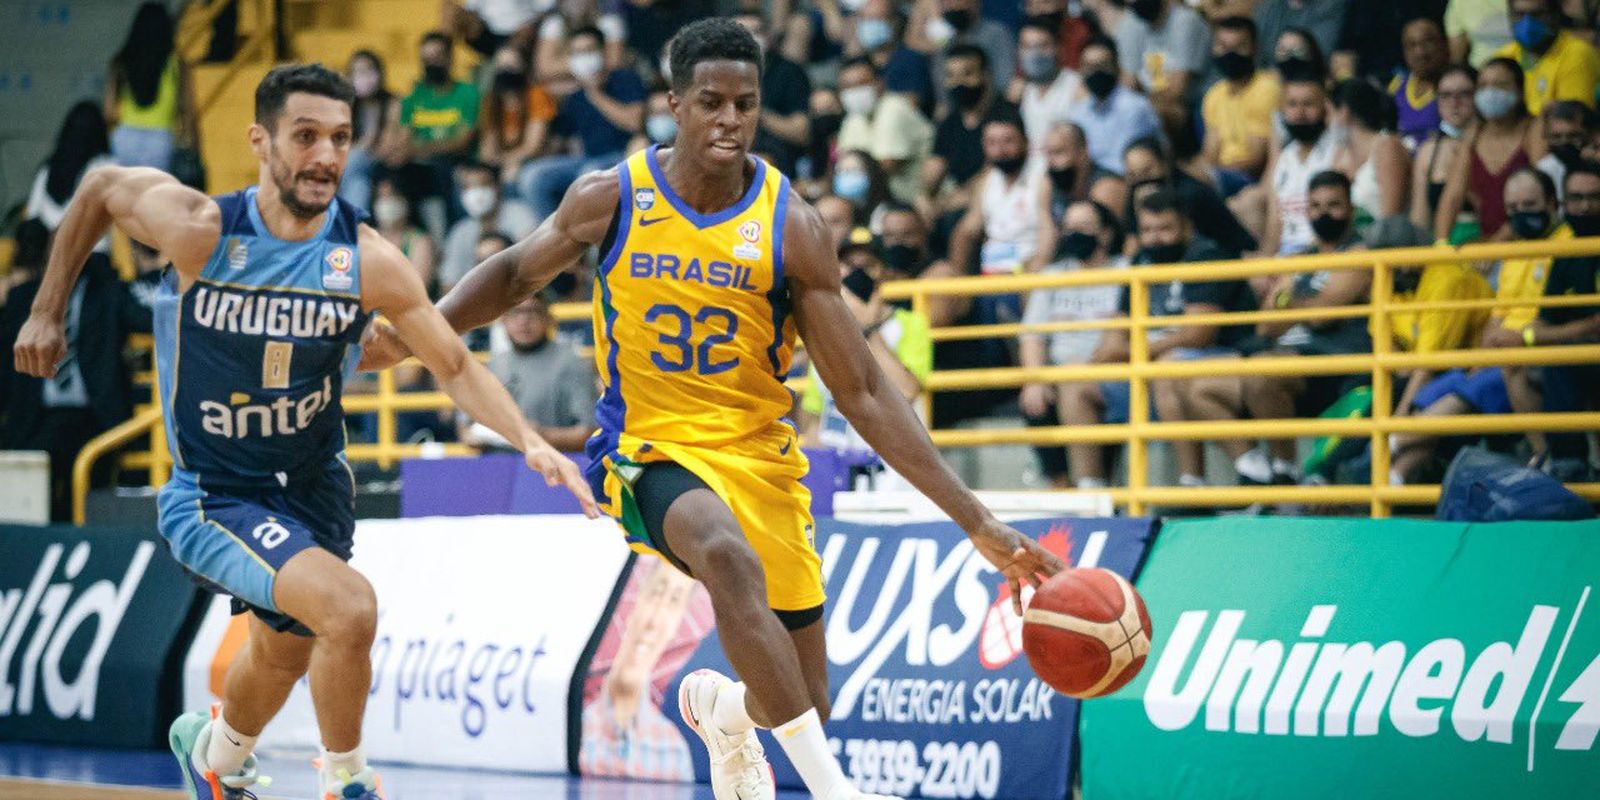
(932, 696)
(1315, 658)
(481, 623)
(86, 613)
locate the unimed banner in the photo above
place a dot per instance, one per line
(932, 696)
(1312, 658)
(89, 618)
(482, 621)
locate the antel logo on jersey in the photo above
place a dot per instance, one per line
(644, 199)
(284, 416)
(50, 617)
(254, 314)
(338, 277)
(1310, 688)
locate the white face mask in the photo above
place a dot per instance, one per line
(939, 31)
(858, 100)
(585, 65)
(365, 82)
(478, 200)
(389, 211)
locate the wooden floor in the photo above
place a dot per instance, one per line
(14, 789)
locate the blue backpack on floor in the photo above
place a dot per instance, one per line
(1482, 486)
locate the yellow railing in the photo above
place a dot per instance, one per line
(1140, 431)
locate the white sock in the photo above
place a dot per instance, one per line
(228, 748)
(1254, 465)
(802, 740)
(1191, 480)
(1091, 483)
(351, 762)
(728, 712)
(1283, 466)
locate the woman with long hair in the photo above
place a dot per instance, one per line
(149, 94)
(81, 145)
(1503, 144)
(1430, 172)
(1371, 155)
(375, 118)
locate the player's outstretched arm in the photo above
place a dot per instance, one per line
(507, 278)
(390, 285)
(152, 207)
(876, 408)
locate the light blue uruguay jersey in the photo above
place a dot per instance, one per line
(251, 358)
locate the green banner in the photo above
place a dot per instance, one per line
(1311, 658)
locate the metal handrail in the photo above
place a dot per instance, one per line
(129, 429)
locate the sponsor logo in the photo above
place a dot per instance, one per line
(338, 277)
(284, 416)
(645, 199)
(257, 314)
(238, 253)
(40, 620)
(1317, 687)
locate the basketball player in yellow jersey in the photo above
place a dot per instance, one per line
(710, 263)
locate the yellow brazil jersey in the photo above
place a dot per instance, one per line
(692, 330)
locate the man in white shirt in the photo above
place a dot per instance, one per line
(884, 125)
(486, 211)
(1046, 89)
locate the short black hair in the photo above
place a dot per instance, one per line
(1102, 40)
(1109, 224)
(436, 36)
(1041, 24)
(474, 165)
(274, 90)
(1242, 24)
(710, 39)
(1329, 177)
(1162, 201)
(1005, 116)
(859, 61)
(1581, 168)
(965, 50)
(1149, 143)
(1571, 111)
(588, 30)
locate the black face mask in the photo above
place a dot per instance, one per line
(960, 18)
(1101, 82)
(903, 258)
(1530, 224)
(824, 126)
(1051, 21)
(1570, 155)
(1010, 166)
(1064, 180)
(1297, 68)
(1306, 132)
(860, 284)
(436, 74)
(1329, 228)
(1165, 253)
(966, 95)
(1235, 65)
(1147, 10)
(1079, 245)
(1584, 224)
(510, 81)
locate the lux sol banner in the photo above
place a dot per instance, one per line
(1360, 658)
(481, 623)
(89, 618)
(932, 696)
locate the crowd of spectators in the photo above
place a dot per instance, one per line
(944, 138)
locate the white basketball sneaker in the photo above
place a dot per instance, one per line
(739, 768)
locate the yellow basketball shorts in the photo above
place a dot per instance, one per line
(759, 480)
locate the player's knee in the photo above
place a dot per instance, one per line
(282, 660)
(350, 613)
(734, 564)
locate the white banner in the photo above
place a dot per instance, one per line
(481, 622)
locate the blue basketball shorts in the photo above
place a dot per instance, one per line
(234, 541)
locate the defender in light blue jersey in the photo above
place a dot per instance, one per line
(269, 290)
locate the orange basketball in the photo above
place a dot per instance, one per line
(1086, 632)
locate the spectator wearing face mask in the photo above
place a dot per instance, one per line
(1310, 150)
(1045, 90)
(551, 383)
(860, 181)
(1332, 217)
(1530, 198)
(1430, 170)
(1322, 19)
(1238, 109)
(1073, 177)
(1499, 147)
(1415, 89)
(1110, 115)
(880, 36)
(785, 96)
(1567, 126)
(551, 51)
(392, 214)
(660, 127)
(1573, 387)
(1146, 162)
(1163, 45)
(439, 119)
(1558, 64)
(375, 117)
(1295, 54)
(958, 138)
(516, 118)
(598, 119)
(487, 211)
(884, 125)
(942, 27)
(1004, 215)
(1071, 32)
(1091, 239)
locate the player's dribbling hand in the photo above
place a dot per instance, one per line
(381, 347)
(41, 344)
(1017, 557)
(557, 469)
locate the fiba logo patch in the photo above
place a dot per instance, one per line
(751, 233)
(238, 253)
(338, 275)
(644, 199)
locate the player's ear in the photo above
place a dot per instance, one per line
(672, 102)
(259, 136)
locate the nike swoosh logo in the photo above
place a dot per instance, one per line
(786, 445)
(643, 222)
(235, 742)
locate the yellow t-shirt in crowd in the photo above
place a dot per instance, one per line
(1239, 117)
(1441, 329)
(1522, 279)
(1569, 70)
